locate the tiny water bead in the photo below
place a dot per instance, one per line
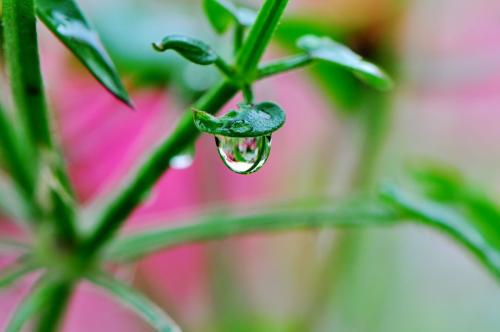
(184, 159)
(244, 155)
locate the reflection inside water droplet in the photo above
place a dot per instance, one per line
(244, 155)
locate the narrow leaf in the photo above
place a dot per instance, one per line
(221, 13)
(326, 49)
(249, 121)
(129, 297)
(217, 226)
(65, 19)
(31, 306)
(192, 49)
(448, 220)
(16, 272)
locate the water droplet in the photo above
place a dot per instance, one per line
(244, 155)
(183, 160)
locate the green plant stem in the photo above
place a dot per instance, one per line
(130, 196)
(220, 226)
(21, 45)
(239, 34)
(224, 67)
(15, 158)
(23, 64)
(373, 123)
(259, 36)
(248, 94)
(146, 175)
(53, 313)
(283, 65)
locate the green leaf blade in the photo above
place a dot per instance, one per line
(147, 310)
(192, 49)
(249, 121)
(65, 19)
(326, 49)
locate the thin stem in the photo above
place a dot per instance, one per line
(143, 179)
(260, 36)
(283, 65)
(53, 313)
(239, 34)
(248, 94)
(23, 63)
(220, 226)
(15, 158)
(224, 67)
(146, 175)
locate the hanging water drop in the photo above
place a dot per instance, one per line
(244, 155)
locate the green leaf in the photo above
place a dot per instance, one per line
(129, 297)
(217, 226)
(326, 49)
(221, 13)
(339, 86)
(450, 221)
(65, 19)
(192, 49)
(249, 121)
(34, 302)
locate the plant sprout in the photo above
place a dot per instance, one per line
(65, 254)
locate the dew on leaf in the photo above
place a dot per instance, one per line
(244, 155)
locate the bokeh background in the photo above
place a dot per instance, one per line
(340, 138)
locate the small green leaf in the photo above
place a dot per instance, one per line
(249, 121)
(149, 311)
(192, 49)
(65, 19)
(326, 49)
(221, 13)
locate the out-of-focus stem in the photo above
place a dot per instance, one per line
(260, 35)
(53, 314)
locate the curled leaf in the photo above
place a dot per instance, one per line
(326, 49)
(249, 121)
(65, 19)
(221, 13)
(192, 49)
